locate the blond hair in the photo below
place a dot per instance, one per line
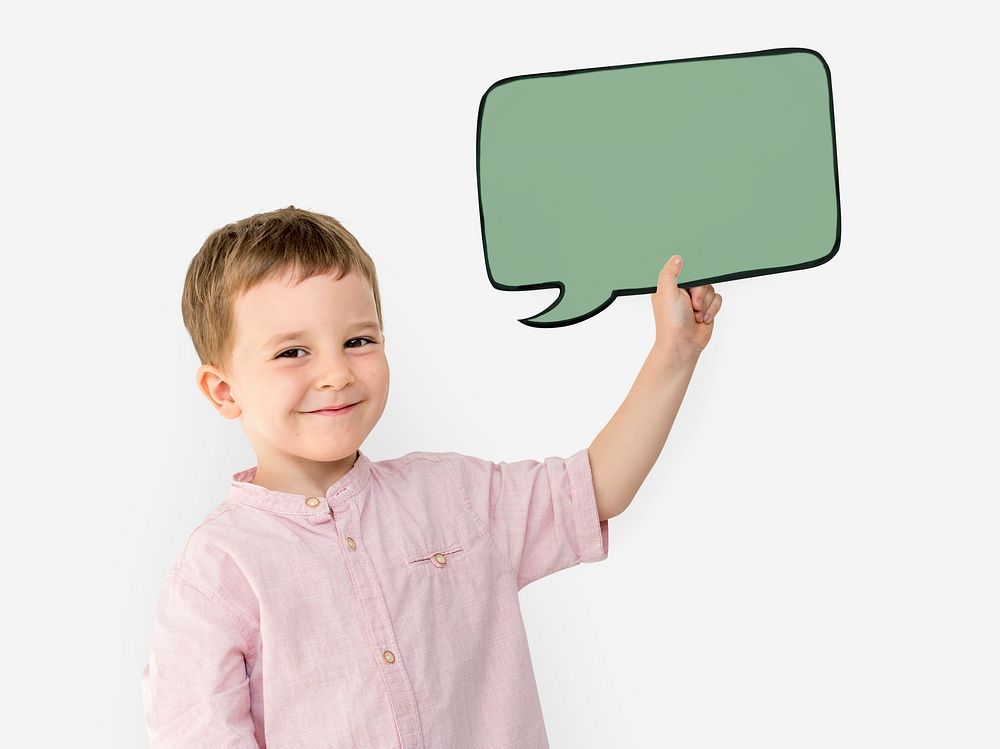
(256, 249)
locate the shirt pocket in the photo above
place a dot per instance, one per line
(436, 558)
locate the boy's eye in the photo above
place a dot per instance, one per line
(288, 351)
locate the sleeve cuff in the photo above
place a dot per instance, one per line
(591, 532)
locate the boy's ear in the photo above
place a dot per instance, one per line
(213, 385)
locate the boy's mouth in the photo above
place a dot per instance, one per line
(342, 409)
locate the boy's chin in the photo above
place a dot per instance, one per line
(330, 453)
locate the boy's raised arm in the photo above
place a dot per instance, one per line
(625, 450)
(623, 453)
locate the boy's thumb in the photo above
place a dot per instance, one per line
(671, 270)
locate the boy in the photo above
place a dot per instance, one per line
(335, 602)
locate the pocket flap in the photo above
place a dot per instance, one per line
(424, 556)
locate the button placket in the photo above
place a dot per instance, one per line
(347, 524)
(378, 625)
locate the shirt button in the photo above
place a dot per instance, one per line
(389, 657)
(350, 543)
(439, 559)
(312, 502)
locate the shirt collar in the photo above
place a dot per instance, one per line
(351, 484)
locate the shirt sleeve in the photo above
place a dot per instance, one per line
(195, 686)
(541, 514)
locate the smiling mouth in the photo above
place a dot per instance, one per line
(333, 410)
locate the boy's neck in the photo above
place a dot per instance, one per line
(308, 478)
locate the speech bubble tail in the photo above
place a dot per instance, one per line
(571, 307)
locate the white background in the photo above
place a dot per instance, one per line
(813, 561)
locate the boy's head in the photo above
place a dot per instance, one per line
(273, 274)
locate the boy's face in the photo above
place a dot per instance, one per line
(274, 386)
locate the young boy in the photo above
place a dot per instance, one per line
(335, 602)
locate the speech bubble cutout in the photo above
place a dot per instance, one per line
(589, 180)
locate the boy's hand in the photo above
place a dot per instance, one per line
(684, 318)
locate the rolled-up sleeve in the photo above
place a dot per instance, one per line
(195, 686)
(541, 514)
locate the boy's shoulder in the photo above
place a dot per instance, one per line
(433, 466)
(418, 466)
(427, 459)
(414, 459)
(212, 538)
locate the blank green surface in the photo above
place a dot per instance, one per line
(591, 179)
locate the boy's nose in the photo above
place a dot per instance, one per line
(338, 376)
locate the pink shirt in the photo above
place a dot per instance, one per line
(383, 615)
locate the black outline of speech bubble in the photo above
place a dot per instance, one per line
(615, 293)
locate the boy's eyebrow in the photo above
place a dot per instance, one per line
(293, 334)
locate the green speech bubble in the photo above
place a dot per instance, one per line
(589, 180)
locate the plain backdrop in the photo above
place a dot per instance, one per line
(812, 562)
